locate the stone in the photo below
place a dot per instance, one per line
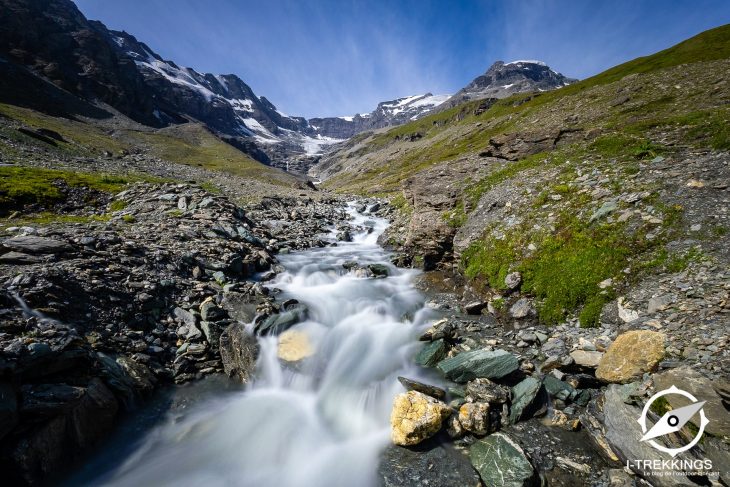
(474, 417)
(521, 308)
(630, 355)
(280, 322)
(436, 466)
(524, 399)
(484, 390)
(185, 316)
(19, 258)
(416, 417)
(584, 358)
(431, 353)
(379, 270)
(294, 345)
(30, 244)
(659, 303)
(473, 364)
(513, 280)
(429, 390)
(605, 209)
(613, 427)
(209, 311)
(558, 389)
(501, 461)
(626, 314)
(704, 389)
(239, 350)
(475, 307)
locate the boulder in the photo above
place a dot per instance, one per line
(474, 417)
(238, 350)
(209, 311)
(379, 270)
(513, 280)
(431, 353)
(475, 307)
(525, 399)
(473, 364)
(558, 389)
(294, 345)
(415, 417)
(704, 389)
(434, 466)
(613, 427)
(630, 355)
(30, 244)
(19, 258)
(501, 461)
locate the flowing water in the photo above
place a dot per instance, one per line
(323, 424)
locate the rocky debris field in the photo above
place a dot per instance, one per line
(95, 316)
(522, 403)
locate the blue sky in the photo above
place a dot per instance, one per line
(340, 57)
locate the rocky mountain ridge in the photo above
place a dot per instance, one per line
(53, 41)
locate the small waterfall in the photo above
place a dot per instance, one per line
(323, 423)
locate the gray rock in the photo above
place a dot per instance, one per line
(238, 350)
(18, 258)
(613, 427)
(209, 311)
(659, 303)
(473, 364)
(513, 280)
(475, 307)
(280, 322)
(379, 270)
(431, 465)
(36, 245)
(524, 399)
(501, 461)
(558, 389)
(429, 390)
(431, 353)
(605, 209)
(521, 308)
(185, 316)
(485, 390)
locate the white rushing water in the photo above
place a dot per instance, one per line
(323, 424)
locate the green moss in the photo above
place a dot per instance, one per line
(498, 304)
(47, 218)
(21, 186)
(660, 406)
(118, 205)
(591, 312)
(210, 187)
(490, 259)
(129, 218)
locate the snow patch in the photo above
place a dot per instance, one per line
(313, 145)
(526, 61)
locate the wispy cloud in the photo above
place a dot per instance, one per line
(340, 57)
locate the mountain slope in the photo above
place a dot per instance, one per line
(624, 168)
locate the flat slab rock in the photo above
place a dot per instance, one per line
(434, 466)
(30, 244)
(501, 461)
(473, 364)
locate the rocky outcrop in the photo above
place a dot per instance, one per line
(434, 465)
(501, 461)
(239, 350)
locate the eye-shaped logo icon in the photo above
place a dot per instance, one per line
(672, 421)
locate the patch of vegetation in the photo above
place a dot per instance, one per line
(129, 218)
(210, 187)
(660, 406)
(47, 218)
(400, 203)
(118, 205)
(622, 145)
(21, 186)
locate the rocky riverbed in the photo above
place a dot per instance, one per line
(98, 316)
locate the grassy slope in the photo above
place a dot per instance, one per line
(672, 92)
(386, 159)
(189, 144)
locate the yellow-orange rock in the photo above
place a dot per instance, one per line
(415, 417)
(630, 355)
